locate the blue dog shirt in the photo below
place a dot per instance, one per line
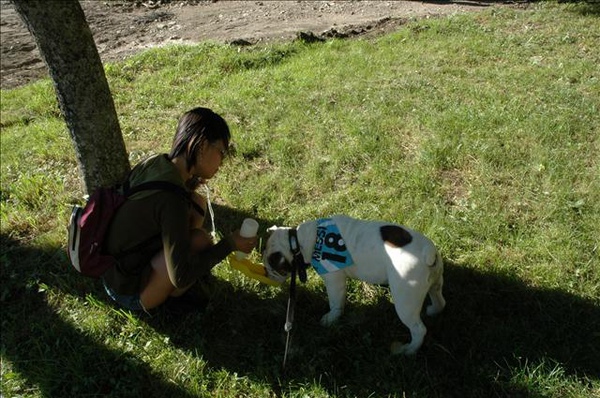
(330, 252)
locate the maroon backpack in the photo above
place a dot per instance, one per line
(88, 225)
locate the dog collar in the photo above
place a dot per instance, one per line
(298, 262)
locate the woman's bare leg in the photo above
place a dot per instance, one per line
(159, 287)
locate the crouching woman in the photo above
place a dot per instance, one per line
(157, 235)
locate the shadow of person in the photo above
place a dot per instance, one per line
(51, 353)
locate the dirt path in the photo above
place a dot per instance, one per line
(121, 28)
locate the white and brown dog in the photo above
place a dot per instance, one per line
(372, 251)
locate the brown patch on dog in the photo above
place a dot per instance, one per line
(395, 236)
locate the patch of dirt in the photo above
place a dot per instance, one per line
(121, 28)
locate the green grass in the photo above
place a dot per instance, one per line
(481, 130)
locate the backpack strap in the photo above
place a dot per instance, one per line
(149, 186)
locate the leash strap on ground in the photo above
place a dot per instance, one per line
(289, 317)
(287, 345)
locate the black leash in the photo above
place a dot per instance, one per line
(298, 266)
(289, 316)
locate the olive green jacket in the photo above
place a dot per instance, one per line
(156, 220)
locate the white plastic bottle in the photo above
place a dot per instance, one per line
(249, 229)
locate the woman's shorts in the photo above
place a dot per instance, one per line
(132, 303)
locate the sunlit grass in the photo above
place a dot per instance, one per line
(480, 130)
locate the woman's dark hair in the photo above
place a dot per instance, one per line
(195, 127)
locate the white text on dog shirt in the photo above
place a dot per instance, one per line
(330, 253)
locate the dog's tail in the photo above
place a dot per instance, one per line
(438, 262)
(436, 267)
(431, 255)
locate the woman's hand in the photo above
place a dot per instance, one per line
(244, 244)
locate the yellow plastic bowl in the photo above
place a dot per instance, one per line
(251, 269)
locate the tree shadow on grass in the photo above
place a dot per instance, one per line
(493, 328)
(50, 353)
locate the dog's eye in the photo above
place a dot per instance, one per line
(278, 262)
(275, 259)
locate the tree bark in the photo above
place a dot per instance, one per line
(65, 42)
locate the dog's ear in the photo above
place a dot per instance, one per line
(272, 229)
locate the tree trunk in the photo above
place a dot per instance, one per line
(66, 44)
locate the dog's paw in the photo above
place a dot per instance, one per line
(330, 318)
(398, 348)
